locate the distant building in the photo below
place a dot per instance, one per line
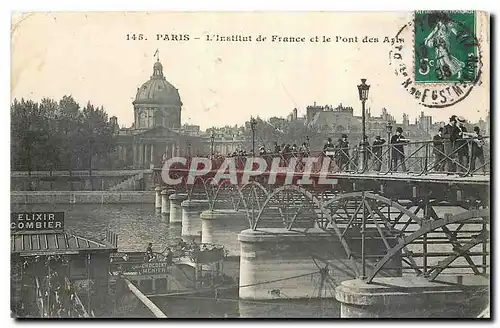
(156, 133)
(332, 120)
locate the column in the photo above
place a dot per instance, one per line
(125, 155)
(166, 150)
(134, 150)
(152, 146)
(173, 150)
(141, 155)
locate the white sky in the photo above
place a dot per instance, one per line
(88, 56)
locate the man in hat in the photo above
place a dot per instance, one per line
(377, 153)
(367, 151)
(477, 150)
(461, 146)
(450, 134)
(398, 152)
(342, 153)
(438, 150)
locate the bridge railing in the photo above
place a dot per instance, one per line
(469, 156)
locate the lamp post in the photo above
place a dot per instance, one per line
(253, 124)
(212, 139)
(363, 89)
(388, 128)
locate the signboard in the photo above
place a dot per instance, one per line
(146, 268)
(36, 221)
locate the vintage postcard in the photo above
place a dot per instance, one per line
(250, 164)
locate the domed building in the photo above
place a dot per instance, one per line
(156, 133)
(157, 102)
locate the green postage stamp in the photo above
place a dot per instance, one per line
(446, 48)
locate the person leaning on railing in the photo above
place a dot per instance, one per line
(342, 153)
(477, 150)
(329, 149)
(438, 150)
(377, 153)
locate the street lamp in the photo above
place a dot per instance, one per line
(388, 128)
(363, 89)
(253, 124)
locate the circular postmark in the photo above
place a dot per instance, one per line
(438, 57)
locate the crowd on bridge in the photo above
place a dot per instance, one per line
(453, 149)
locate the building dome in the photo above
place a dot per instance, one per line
(158, 90)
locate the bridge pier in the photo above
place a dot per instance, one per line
(277, 263)
(165, 203)
(191, 221)
(414, 297)
(222, 227)
(158, 200)
(175, 207)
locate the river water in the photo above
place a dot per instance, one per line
(138, 224)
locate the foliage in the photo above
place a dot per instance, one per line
(54, 135)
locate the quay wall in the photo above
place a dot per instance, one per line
(82, 197)
(77, 180)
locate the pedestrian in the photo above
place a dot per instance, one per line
(149, 252)
(304, 150)
(342, 153)
(477, 150)
(450, 135)
(329, 148)
(461, 146)
(277, 148)
(169, 256)
(365, 145)
(438, 150)
(398, 152)
(377, 153)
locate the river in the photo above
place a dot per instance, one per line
(138, 224)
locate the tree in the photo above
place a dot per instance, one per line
(56, 136)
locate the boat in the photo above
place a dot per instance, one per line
(182, 269)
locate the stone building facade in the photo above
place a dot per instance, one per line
(156, 133)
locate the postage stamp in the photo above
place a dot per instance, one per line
(442, 65)
(444, 46)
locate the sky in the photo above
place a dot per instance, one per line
(88, 56)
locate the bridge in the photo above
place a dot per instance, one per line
(363, 215)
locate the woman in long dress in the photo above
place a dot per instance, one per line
(439, 39)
